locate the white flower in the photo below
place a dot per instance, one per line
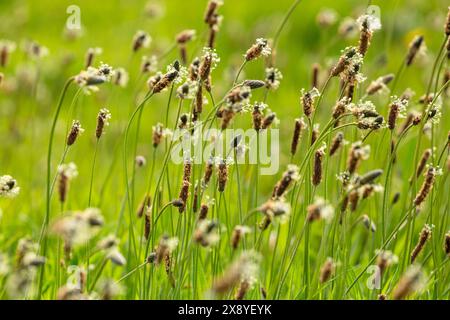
(212, 55)
(8, 187)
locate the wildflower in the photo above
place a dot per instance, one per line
(141, 40)
(206, 233)
(385, 259)
(121, 77)
(187, 90)
(423, 161)
(182, 38)
(91, 77)
(277, 208)
(238, 232)
(357, 153)
(222, 169)
(153, 80)
(165, 247)
(307, 100)
(409, 283)
(348, 65)
(447, 24)
(103, 118)
(8, 187)
(289, 176)
(77, 227)
(6, 48)
(396, 109)
(245, 268)
(171, 75)
(140, 161)
(211, 10)
(268, 120)
(273, 78)
(260, 48)
(149, 64)
(208, 63)
(336, 143)
(368, 223)
(369, 177)
(159, 132)
(320, 210)
(300, 125)
(116, 257)
(75, 131)
(35, 50)
(238, 98)
(427, 185)
(110, 289)
(66, 172)
(380, 85)
(145, 206)
(318, 159)
(315, 133)
(414, 48)
(326, 17)
(367, 24)
(91, 53)
(425, 235)
(327, 270)
(108, 242)
(447, 244)
(348, 28)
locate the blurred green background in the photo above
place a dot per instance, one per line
(24, 125)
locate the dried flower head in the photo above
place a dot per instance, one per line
(149, 64)
(6, 48)
(380, 85)
(368, 223)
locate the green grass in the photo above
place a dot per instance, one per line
(292, 253)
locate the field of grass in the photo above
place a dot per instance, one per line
(360, 209)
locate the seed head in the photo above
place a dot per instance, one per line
(318, 159)
(414, 48)
(424, 236)
(409, 283)
(289, 176)
(75, 131)
(260, 48)
(336, 143)
(141, 40)
(427, 185)
(327, 270)
(298, 128)
(8, 187)
(102, 121)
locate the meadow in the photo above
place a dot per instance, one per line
(346, 102)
